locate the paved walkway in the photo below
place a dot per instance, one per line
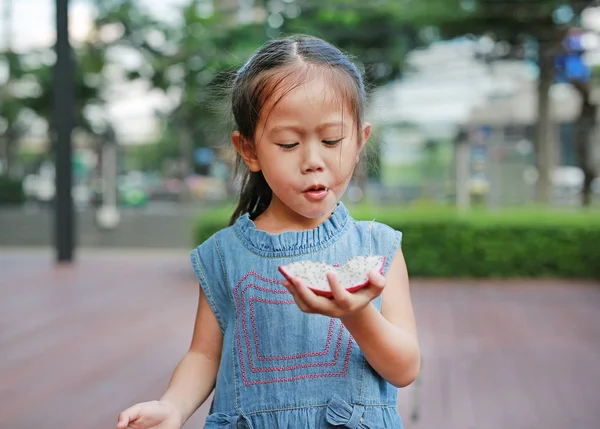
(79, 343)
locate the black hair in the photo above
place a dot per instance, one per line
(270, 67)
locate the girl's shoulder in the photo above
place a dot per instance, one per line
(375, 226)
(210, 269)
(211, 245)
(209, 256)
(378, 231)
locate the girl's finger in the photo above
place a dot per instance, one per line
(129, 415)
(341, 296)
(377, 279)
(373, 289)
(292, 289)
(309, 298)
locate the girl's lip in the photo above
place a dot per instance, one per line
(316, 194)
(317, 187)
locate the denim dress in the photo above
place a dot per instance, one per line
(281, 367)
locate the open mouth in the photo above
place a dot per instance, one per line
(317, 188)
(317, 192)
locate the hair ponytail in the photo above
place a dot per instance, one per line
(255, 196)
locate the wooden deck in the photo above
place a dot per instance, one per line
(79, 343)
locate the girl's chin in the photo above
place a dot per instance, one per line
(313, 210)
(323, 211)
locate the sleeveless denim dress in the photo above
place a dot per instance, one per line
(280, 367)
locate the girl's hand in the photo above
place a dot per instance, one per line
(150, 415)
(343, 303)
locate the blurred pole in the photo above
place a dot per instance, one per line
(495, 167)
(543, 126)
(462, 158)
(107, 216)
(63, 126)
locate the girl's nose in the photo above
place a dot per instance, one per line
(312, 160)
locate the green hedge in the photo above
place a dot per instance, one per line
(11, 191)
(440, 243)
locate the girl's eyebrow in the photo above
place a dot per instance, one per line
(300, 129)
(278, 128)
(330, 125)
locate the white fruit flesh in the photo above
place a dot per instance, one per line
(353, 274)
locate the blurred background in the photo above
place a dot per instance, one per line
(115, 158)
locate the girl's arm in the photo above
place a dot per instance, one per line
(389, 339)
(194, 377)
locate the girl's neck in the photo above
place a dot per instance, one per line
(278, 218)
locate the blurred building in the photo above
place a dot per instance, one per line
(448, 88)
(446, 85)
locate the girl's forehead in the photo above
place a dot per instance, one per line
(314, 95)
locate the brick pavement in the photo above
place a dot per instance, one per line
(78, 343)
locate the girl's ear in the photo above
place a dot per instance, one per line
(366, 133)
(246, 151)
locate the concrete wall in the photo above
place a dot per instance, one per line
(35, 227)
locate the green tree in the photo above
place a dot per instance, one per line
(191, 63)
(29, 91)
(377, 34)
(90, 60)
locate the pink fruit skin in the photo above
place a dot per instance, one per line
(329, 294)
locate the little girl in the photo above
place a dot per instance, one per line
(277, 354)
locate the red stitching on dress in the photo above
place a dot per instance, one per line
(288, 368)
(296, 356)
(300, 377)
(258, 276)
(284, 379)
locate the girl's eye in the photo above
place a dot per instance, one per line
(288, 146)
(332, 142)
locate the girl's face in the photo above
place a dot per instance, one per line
(307, 148)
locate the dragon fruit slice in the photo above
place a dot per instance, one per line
(353, 275)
